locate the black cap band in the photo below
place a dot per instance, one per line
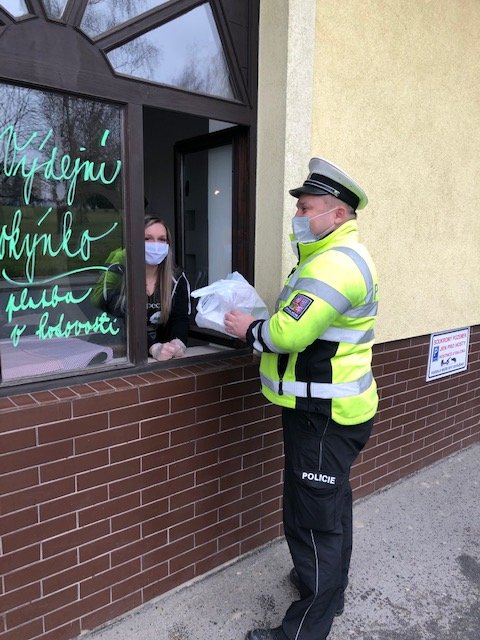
(333, 188)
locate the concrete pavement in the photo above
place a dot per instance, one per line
(415, 572)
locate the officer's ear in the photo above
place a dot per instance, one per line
(342, 214)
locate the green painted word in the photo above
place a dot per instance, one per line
(65, 328)
(23, 301)
(15, 244)
(24, 160)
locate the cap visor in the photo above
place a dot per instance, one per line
(311, 191)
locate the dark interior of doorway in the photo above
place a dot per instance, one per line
(162, 131)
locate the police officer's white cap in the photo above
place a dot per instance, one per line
(325, 178)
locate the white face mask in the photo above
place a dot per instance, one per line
(302, 231)
(155, 252)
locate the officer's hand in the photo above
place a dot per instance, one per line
(236, 323)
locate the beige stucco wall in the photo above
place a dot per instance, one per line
(396, 97)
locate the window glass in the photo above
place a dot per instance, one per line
(184, 53)
(55, 8)
(102, 15)
(61, 232)
(207, 214)
(15, 7)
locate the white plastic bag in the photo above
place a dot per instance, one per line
(222, 296)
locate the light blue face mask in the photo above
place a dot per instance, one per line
(302, 231)
(155, 252)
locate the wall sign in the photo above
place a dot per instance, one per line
(448, 353)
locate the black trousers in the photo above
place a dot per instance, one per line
(317, 515)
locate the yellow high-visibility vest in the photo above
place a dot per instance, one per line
(317, 347)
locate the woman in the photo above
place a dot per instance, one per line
(167, 288)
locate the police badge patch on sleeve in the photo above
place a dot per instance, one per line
(298, 306)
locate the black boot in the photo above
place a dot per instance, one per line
(266, 634)
(295, 580)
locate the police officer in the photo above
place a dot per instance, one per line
(316, 352)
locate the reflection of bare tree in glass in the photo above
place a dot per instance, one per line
(136, 58)
(78, 126)
(17, 111)
(102, 15)
(205, 74)
(55, 7)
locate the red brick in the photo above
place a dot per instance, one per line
(19, 597)
(138, 412)
(100, 511)
(33, 416)
(104, 402)
(108, 544)
(146, 481)
(141, 548)
(33, 629)
(194, 524)
(17, 440)
(100, 581)
(101, 614)
(72, 502)
(10, 482)
(217, 559)
(217, 530)
(43, 531)
(196, 432)
(215, 500)
(10, 562)
(70, 630)
(73, 611)
(169, 422)
(167, 389)
(106, 438)
(106, 475)
(75, 575)
(195, 555)
(74, 538)
(222, 408)
(40, 570)
(194, 463)
(40, 606)
(36, 456)
(160, 556)
(192, 494)
(71, 428)
(219, 378)
(73, 465)
(142, 514)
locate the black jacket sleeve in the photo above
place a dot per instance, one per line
(177, 325)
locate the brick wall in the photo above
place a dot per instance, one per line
(114, 492)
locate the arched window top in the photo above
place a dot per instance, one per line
(186, 51)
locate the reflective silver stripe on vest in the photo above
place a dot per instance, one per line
(326, 292)
(320, 389)
(351, 336)
(363, 268)
(320, 289)
(265, 335)
(365, 311)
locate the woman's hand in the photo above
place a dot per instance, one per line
(236, 323)
(167, 350)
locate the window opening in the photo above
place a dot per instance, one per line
(61, 212)
(185, 53)
(103, 15)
